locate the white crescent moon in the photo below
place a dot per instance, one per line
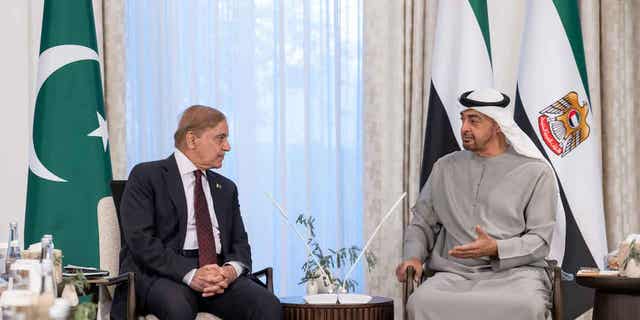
(51, 60)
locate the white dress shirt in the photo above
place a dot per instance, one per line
(186, 169)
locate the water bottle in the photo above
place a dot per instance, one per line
(48, 290)
(3, 261)
(48, 285)
(13, 249)
(50, 237)
(46, 247)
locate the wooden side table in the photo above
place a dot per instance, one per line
(295, 308)
(616, 298)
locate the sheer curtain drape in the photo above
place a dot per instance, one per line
(287, 73)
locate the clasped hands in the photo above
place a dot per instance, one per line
(212, 279)
(483, 246)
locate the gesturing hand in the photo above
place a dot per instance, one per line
(483, 246)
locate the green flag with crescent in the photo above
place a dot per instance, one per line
(69, 166)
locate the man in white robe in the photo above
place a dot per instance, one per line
(483, 222)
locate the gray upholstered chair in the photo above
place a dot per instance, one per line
(110, 242)
(109, 231)
(109, 247)
(553, 270)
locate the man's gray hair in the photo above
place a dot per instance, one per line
(196, 119)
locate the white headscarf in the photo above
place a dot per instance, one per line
(493, 104)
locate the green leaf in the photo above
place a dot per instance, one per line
(79, 281)
(86, 311)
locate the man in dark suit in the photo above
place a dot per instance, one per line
(183, 234)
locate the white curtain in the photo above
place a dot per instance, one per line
(287, 73)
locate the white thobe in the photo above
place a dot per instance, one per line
(513, 198)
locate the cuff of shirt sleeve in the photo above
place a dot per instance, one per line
(508, 250)
(236, 266)
(188, 277)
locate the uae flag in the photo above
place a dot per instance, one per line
(69, 166)
(553, 107)
(461, 61)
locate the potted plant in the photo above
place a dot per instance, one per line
(329, 260)
(86, 310)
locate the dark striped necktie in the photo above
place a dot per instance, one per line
(204, 229)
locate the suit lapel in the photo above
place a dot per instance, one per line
(217, 195)
(176, 193)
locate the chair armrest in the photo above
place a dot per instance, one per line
(129, 280)
(558, 305)
(409, 287)
(555, 274)
(409, 281)
(110, 281)
(268, 274)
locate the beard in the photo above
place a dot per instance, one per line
(470, 147)
(469, 143)
(474, 144)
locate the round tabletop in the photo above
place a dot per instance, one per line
(621, 285)
(616, 298)
(300, 301)
(379, 308)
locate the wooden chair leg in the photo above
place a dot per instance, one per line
(558, 307)
(131, 296)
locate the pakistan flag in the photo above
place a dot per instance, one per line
(69, 167)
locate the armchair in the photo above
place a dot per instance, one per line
(553, 270)
(110, 239)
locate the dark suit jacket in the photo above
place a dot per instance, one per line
(153, 219)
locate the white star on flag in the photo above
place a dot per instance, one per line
(101, 131)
